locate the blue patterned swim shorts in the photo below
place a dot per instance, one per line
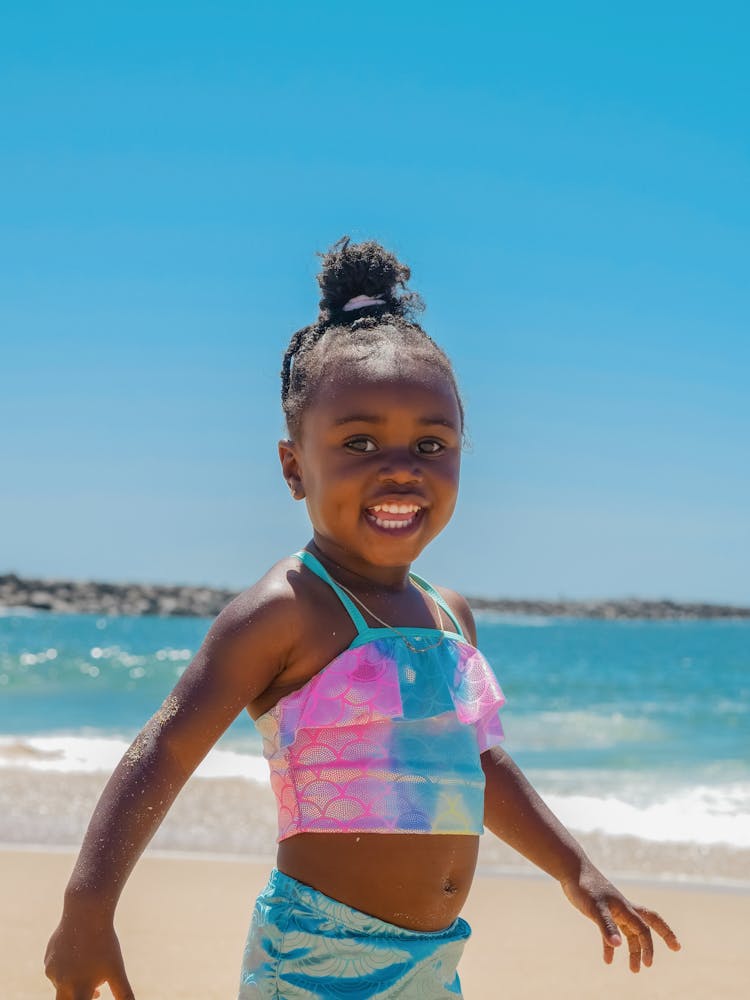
(303, 945)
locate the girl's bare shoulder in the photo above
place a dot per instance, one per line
(275, 634)
(246, 649)
(271, 613)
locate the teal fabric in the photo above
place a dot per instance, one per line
(317, 567)
(303, 945)
(360, 624)
(438, 598)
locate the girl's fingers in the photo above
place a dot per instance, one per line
(617, 918)
(660, 925)
(634, 947)
(647, 948)
(636, 930)
(640, 942)
(121, 988)
(77, 993)
(637, 922)
(118, 983)
(608, 927)
(72, 993)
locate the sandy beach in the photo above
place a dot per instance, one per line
(183, 919)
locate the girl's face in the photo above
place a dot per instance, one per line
(378, 462)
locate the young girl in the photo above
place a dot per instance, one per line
(378, 714)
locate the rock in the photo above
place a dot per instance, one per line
(91, 597)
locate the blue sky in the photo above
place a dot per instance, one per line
(569, 184)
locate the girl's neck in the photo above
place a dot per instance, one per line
(358, 574)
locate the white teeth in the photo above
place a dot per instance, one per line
(382, 523)
(396, 508)
(378, 510)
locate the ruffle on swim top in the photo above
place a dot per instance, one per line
(386, 738)
(384, 679)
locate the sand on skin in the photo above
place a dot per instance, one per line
(182, 924)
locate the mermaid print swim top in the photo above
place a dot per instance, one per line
(385, 738)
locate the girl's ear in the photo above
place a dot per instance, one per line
(290, 469)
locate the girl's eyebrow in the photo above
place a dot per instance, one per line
(440, 421)
(358, 418)
(367, 418)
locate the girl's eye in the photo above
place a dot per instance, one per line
(360, 444)
(430, 447)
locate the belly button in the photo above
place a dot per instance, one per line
(449, 887)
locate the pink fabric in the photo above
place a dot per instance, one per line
(385, 739)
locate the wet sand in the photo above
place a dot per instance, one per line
(182, 923)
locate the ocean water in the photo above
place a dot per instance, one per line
(626, 728)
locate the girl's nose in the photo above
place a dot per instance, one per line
(400, 468)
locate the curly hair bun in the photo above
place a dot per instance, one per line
(339, 335)
(354, 269)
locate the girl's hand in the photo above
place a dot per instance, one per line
(598, 899)
(80, 958)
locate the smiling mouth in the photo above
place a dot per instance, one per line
(393, 516)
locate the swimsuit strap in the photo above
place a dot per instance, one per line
(356, 616)
(319, 570)
(439, 599)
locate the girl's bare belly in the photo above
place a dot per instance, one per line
(419, 881)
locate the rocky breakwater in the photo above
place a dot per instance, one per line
(85, 597)
(94, 598)
(627, 608)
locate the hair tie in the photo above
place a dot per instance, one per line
(360, 301)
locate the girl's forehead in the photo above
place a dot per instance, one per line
(383, 369)
(425, 386)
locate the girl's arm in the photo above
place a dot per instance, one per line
(516, 814)
(244, 650)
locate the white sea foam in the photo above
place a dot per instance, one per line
(643, 805)
(91, 754)
(699, 815)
